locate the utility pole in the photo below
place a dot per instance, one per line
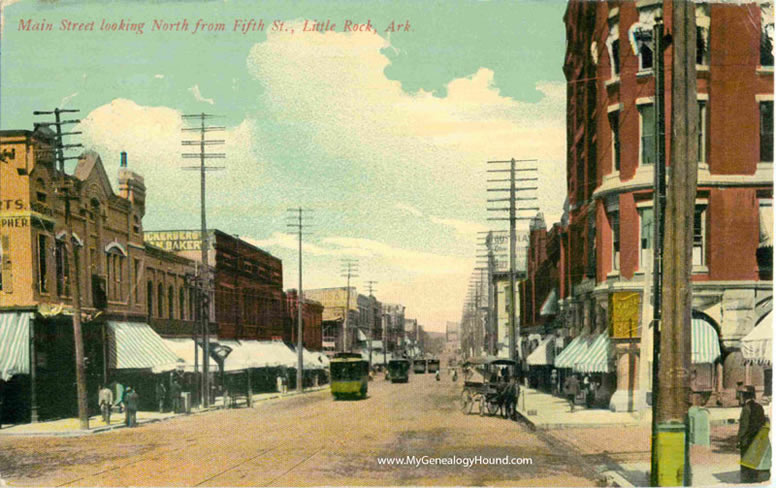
(658, 205)
(67, 193)
(298, 224)
(348, 269)
(516, 185)
(369, 286)
(204, 281)
(671, 462)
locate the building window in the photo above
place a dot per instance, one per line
(192, 312)
(160, 297)
(614, 123)
(647, 118)
(138, 279)
(181, 303)
(115, 261)
(135, 224)
(40, 193)
(766, 36)
(766, 131)
(702, 131)
(699, 237)
(703, 25)
(150, 299)
(62, 269)
(647, 230)
(614, 223)
(170, 302)
(613, 43)
(643, 47)
(42, 260)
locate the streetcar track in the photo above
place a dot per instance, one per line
(240, 464)
(294, 466)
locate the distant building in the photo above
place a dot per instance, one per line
(249, 300)
(334, 300)
(312, 321)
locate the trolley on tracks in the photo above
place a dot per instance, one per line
(349, 375)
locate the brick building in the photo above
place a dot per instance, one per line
(249, 302)
(312, 321)
(123, 282)
(606, 242)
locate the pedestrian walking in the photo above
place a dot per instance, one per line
(161, 395)
(753, 443)
(131, 401)
(279, 383)
(105, 400)
(571, 389)
(175, 395)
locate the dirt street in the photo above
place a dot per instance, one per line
(304, 441)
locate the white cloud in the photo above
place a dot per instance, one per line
(152, 138)
(198, 96)
(461, 226)
(408, 208)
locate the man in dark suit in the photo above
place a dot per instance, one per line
(131, 401)
(751, 421)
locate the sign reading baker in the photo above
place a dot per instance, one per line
(177, 240)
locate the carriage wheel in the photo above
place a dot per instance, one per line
(492, 406)
(466, 401)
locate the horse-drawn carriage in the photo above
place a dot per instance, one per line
(485, 387)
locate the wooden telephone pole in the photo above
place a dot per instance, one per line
(65, 191)
(670, 462)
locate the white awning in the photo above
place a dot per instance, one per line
(544, 354)
(183, 348)
(14, 344)
(597, 358)
(757, 345)
(135, 345)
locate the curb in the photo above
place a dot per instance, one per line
(109, 428)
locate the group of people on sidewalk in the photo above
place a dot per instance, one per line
(129, 403)
(572, 389)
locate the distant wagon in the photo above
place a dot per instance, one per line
(349, 375)
(398, 370)
(419, 366)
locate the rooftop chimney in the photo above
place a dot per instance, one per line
(123, 159)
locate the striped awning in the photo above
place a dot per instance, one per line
(183, 348)
(597, 358)
(705, 342)
(135, 345)
(573, 352)
(543, 354)
(757, 345)
(14, 344)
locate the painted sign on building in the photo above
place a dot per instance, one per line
(177, 240)
(624, 310)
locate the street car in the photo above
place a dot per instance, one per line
(419, 366)
(398, 370)
(349, 375)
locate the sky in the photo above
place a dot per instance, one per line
(383, 134)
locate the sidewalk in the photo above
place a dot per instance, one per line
(71, 426)
(622, 455)
(546, 412)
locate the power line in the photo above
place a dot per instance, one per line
(298, 224)
(203, 285)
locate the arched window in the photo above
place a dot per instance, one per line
(181, 303)
(150, 299)
(160, 305)
(170, 302)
